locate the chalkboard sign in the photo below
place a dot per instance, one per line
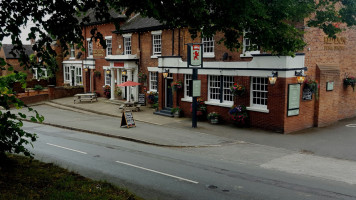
(293, 99)
(127, 120)
(307, 94)
(142, 99)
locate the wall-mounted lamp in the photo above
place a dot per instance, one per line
(123, 72)
(86, 68)
(108, 71)
(165, 73)
(300, 76)
(273, 78)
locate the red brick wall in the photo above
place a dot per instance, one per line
(341, 102)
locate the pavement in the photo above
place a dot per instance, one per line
(337, 141)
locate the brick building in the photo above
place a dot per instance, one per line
(144, 46)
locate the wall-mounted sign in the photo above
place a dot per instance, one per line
(307, 94)
(334, 44)
(293, 99)
(330, 86)
(196, 88)
(119, 64)
(98, 52)
(142, 99)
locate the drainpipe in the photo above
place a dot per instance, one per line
(173, 42)
(179, 42)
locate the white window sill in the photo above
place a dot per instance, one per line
(187, 99)
(71, 58)
(225, 104)
(89, 57)
(208, 55)
(258, 109)
(152, 91)
(155, 56)
(248, 54)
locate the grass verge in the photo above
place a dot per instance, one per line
(23, 178)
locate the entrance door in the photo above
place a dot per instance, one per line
(169, 94)
(125, 93)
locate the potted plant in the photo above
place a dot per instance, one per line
(213, 117)
(312, 86)
(107, 91)
(238, 114)
(152, 97)
(118, 92)
(237, 89)
(38, 88)
(201, 109)
(350, 80)
(177, 111)
(155, 106)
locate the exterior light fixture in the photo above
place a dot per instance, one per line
(273, 78)
(123, 72)
(86, 68)
(165, 73)
(300, 76)
(108, 71)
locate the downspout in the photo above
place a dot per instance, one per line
(179, 42)
(173, 42)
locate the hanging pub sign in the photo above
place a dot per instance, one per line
(127, 120)
(195, 54)
(293, 99)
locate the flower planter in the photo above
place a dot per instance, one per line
(214, 120)
(177, 114)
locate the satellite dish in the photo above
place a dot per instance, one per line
(79, 54)
(225, 56)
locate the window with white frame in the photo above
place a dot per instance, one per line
(156, 44)
(108, 46)
(259, 92)
(187, 81)
(153, 81)
(228, 81)
(90, 48)
(66, 74)
(127, 45)
(248, 47)
(72, 51)
(219, 88)
(208, 46)
(214, 88)
(107, 78)
(78, 76)
(39, 74)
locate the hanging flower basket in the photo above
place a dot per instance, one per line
(312, 86)
(237, 89)
(350, 80)
(177, 85)
(142, 77)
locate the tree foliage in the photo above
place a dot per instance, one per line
(12, 137)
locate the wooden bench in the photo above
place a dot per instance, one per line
(85, 97)
(126, 107)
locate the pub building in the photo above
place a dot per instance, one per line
(281, 93)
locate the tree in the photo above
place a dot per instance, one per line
(274, 25)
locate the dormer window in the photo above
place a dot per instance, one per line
(249, 47)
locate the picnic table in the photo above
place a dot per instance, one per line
(85, 97)
(130, 106)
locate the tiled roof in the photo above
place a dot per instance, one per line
(91, 13)
(138, 23)
(8, 48)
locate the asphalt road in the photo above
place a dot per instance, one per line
(174, 173)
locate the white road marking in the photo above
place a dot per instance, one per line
(157, 172)
(66, 148)
(351, 125)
